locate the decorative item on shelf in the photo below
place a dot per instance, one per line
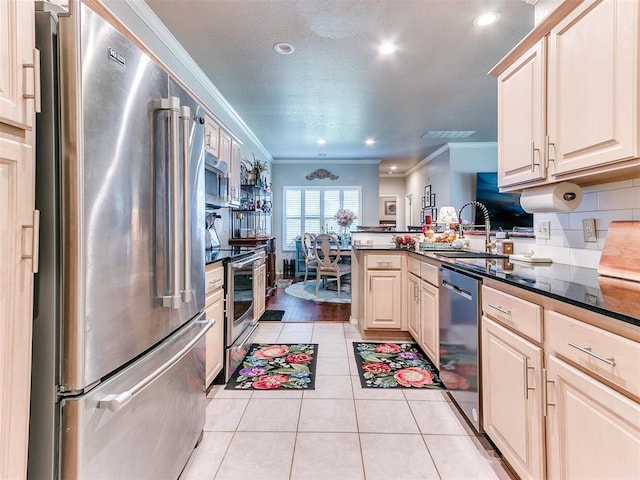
(344, 218)
(256, 170)
(245, 171)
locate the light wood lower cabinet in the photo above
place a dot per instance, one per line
(429, 338)
(512, 398)
(593, 432)
(383, 304)
(214, 310)
(413, 306)
(259, 299)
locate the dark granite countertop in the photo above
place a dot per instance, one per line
(578, 286)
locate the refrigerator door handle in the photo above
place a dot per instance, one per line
(172, 104)
(116, 401)
(187, 293)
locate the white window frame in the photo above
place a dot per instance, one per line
(292, 246)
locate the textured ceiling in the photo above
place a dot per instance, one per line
(336, 86)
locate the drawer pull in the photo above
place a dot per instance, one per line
(384, 263)
(213, 282)
(608, 360)
(500, 309)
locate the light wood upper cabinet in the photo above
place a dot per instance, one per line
(235, 167)
(593, 431)
(512, 398)
(19, 75)
(568, 97)
(593, 86)
(211, 136)
(521, 119)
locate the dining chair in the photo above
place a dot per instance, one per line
(310, 261)
(327, 251)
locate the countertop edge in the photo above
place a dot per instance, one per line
(457, 266)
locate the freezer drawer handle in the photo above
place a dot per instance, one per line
(116, 401)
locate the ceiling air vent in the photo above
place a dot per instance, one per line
(449, 134)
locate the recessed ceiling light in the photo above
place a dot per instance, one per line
(486, 19)
(387, 48)
(392, 167)
(284, 48)
(321, 141)
(369, 141)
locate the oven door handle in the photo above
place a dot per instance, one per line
(246, 339)
(245, 262)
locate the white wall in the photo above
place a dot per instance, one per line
(394, 187)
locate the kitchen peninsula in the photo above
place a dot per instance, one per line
(559, 349)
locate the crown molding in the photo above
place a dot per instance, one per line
(324, 161)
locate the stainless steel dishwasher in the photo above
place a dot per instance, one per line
(459, 340)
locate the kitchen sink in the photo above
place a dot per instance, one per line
(470, 255)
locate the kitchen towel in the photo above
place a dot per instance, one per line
(559, 197)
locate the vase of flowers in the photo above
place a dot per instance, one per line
(344, 218)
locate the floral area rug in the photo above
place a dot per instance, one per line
(395, 365)
(276, 367)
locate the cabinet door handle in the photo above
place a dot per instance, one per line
(35, 81)
(545, 392)
(34, 255)
(500, 309)
(608, 360)
(533, 154)
(547, 144)
(526, 377)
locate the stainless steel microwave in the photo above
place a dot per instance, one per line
(216, 181)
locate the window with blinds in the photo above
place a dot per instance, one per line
(312, 209)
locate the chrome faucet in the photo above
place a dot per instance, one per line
(488, 246)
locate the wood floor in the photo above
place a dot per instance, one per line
(299, 310)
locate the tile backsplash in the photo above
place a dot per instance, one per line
(604, 203)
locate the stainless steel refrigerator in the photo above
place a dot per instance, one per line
(118, 353)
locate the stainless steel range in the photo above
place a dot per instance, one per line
(240, 321)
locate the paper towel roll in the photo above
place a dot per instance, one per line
(558, 197)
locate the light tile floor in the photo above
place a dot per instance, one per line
(339, 431)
